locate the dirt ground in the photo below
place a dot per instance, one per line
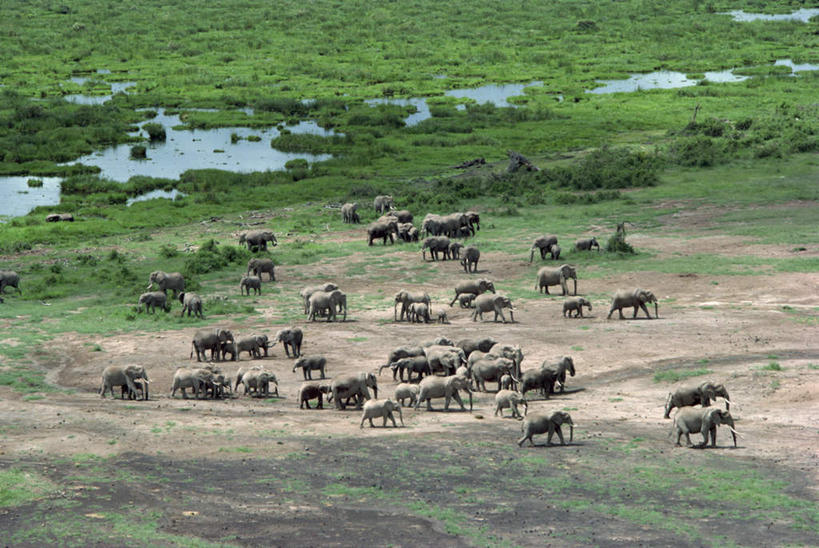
(274, 463)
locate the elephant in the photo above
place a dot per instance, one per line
(126, 376)
(349, 386)
(197, 379)
(322, 301)
(165, 281)
(264, 343)
(511, 352)
(471, 345)
(260, 266)
(398, 354)
(587, 244)
(494, 303)
(467, 300)
(554, 252)
(210, 339)
(256, 240)
(491, 369)
(57, 217)
(219, 383)
(349, 213)
(474, 220)
(403, 216)
(538, 423)
(454, 250)
(309, 290)
(690, 420)
(405, 392)
(545, 377)
(250, 282)
(441, 340)
(575, 305)
(383, 203)
(436, 245)
(381, 408)
(383, 230)
(547, 276)
(470, 259)
(191, 302)
(508, 399)
(419, 312)
(257, 381)
(432, 225)
(310, 390)
(405, 298)
(153, 300)
(407, 232)
(442, 317)
(456, 225)
(10, 278)
(472, 287)
(443, 387)
(291, 339)
(693, 395)
(249, 345)
(635, 298)
(542, 244)
(310, 364)
(230, 348)
(508, 382)
(444, 358)
(414, 364)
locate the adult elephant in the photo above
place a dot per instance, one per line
(509, 351)
(691, 420)
(587, 244)
(261, 266)
(546, 376)
(210, 339)
(474, 220)
(471, 345)
(403, 216)
(192, 303)
(444, 358)
(452, 224)
(309, 290)
(436, 245)
(538, 423)
(198, 379)
(432, 225)
(473, 287)
(290, 338)
(166, 281)
(349, 213)
(122, 375)
(491, 369)
(470, 259)
(635, 298)
(443, 387)
(542, 244)
(405, 298)
(400, 353)
(322, 302)
(696, 395)
(256, 240)
(353, 386)
(547, 276)
(153, 300)
(383, 230)
(9, 278)
(383, 203)
(493, 303)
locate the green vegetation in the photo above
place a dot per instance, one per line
(773, 366)
(19, 487)
(676, 375)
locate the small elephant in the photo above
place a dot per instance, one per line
(690, 420)
(405, 299)
(260, 266)
(310, 390)
(542, 244)
(353, 386)
(321, 302)
(554, 252)
(125, 376)
(257, 239)
(470, 259)
(419, 312)
(635, 298)
(381, 408)
(406, 391)
(471, 345)
(436, 245)
(491, 369)
(443, 387)
(165, 281)
(310, 364)
(250, 282)
(547, 276)
(249, 345)
(575, 305)
(153, 300)
(693, 395)
(291, 340)
(412, 364)
(230, 348)
(587, 244)
(538, 423)
(467, 301)
(493, 303)
(264, 343)
(508, 382)
(507, 399)
(349, 213)
(472, 287)
(57, 217)
(442, 317)
(257, 381)
(9, 278)
(455, 250)
(307, 292)
(383, 230)
(191, 302)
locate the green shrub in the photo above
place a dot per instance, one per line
(156, 132)
(210, 257)
(139, 152)
(168, 251)
(617, 244)
(34, 183)
(298, 163)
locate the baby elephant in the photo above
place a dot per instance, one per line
(419, 312)
(310, 364)
(467, 300)
(310, 390)
(406, 391)
(507, 399)
(442, 317)
(575, 305)
(542, 424)
(250, 282)
(381, 408)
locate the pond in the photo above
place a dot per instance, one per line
(803, 15)
(17, 198)
(81, 99)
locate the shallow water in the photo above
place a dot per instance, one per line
(796, 67)
(154, 194)
(16, 198)
(803, 15)
(82, 99)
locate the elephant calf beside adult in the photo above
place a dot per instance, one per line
(696, 395)
(322, 302)
(543, 244)
(436, 245)
(250, 282)
(256, 240)
(349, 213)
(633, 298)
(472, 287)
(470, 258)
(405, 299)
(191, 302)
(125, 376)
(210, 339)
(353, 386)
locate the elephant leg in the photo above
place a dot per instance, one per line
(559, 434)
(308, 374)
(322, 372)
(635, 311)
(645, 309)
(320, 404)
(459, 400)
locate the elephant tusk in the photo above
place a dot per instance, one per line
(735, 432)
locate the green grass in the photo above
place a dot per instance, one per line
(677, 375)
(772, 366)
(18, 487)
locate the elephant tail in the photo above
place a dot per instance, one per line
(668, 406)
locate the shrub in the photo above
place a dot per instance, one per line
(298, 163)
(139, 152)
(168, 251)
(156, 132)
(34, 183)
(617, 244)
(210, 257)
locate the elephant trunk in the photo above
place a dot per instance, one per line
(525, 407)
(375, 391)
(734, 433)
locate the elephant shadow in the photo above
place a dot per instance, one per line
(557, 445)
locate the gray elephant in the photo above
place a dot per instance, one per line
(249, 345)
(691, 420)
(381, 408)
(383, 203)
(291, 339)
(264, 343)
(472, 287)
(125, 376)
(250, 282)
(403, 216)
(508, 399)
(538, 423)
(457, 225)
(166, 281)
(436, 245)
(321, 302)
(547, 375)
(413, 364)
(432, 225)
(547, 276)
(9, 278)
(406, 391)
(153, 300)
(349, 213)
(470, 259)
(310, 364)
(210, 339)
(575, 305)
(502, 350)
(419, 312)
(696, 395)
(230, 348)
(444, 358)
(260, 266)
(191, 302)
(309, 290)
(587, 244)
(471, 345)
(311, 390)
(256, 240)
(508, 382)
(402, 352)
(467, 301)
(474, 220)
(493, 303)
(455, 250)
(443, 387)
(542, 244)
(257, 382)
(554, 252)
(353, 386)
(197, 379)
(405, 232)
(405, 298)
(635, 298)
(491, 369)
(383, 230)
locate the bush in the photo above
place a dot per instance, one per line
(298, 163)
(617, 244)
(156, 132)
(210, 257)
(168, 251)
(139, 152)
(34, 183)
